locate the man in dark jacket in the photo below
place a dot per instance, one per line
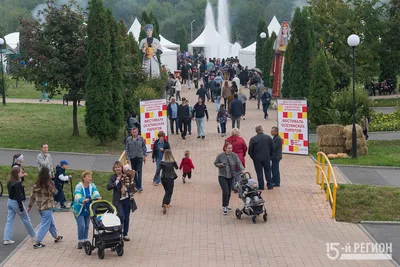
(59, 181)
(212, 84)
(236, 111)
(173, 115)
(184, 117)
(276, 156)
(200, 112)
(260, 151)
(202, 93)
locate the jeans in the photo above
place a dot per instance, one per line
(223, 127)
(226, 186)
(190, 125)
(189, 83)
(265, 110)
(236, 120)
(244, 109)
(158, 178)
(276, 176)
(60, 196)
(217, 100)
(184, 126)
(44, 95)
(12, 210)
(258, 102)
(83, 227)
(196, 84)
(137, 166)
(125, 215)
(225, 101)
(178, 95)
(263, 167)
(46, 225)
(168, 185)
(200, 126)
(173, 121)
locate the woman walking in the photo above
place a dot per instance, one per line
(85, 192)
(160, 145)
(15, 205)
(266, 100)
(43, 193)
(226, 92)
(168, 167)
(178, 89)
(121, 199)
(227, 162)
(17, 162)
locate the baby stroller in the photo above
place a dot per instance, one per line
(107, 229)
(253, 92)
(254, 205)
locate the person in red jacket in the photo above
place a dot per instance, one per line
(186, 166)
(239, 147)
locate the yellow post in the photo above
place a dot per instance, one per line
(329, 174)
(323, 169)
(318, 162)
(334, 202)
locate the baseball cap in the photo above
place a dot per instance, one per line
(64, 162)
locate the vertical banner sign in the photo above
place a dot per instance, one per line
(153, 119)
(293, 126)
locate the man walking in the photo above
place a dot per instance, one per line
(136, 153)
(259, 91)
(184, 117)
(276, 156)
(260, 150)
(44, 159)
(202, 93)
(236, 109)
(200, 112)
(173, 115)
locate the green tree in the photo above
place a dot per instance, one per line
(262, 27)
(268, 55)
(56, 53)
(233, 34)
(182, 37)
(117, 86)
(321, 89)
(99, 97)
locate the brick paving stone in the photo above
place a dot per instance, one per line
(195, 233)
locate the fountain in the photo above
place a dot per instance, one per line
(224, 28)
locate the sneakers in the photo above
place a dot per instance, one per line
(183, 179)
(8, 242)
(224, 210)
(80, 245)
(58, 239)
(228, 208)
(127, 239)
(189, 181)
(39, 245)
(203, 137)
(164, 209)
(198, 137)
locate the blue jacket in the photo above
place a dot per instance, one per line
(79, 196)
(236, 108)
(266, 98)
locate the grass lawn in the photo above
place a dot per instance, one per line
(356, 203)
(26, 126)
(24, 90)
(100, 179)
(387, 102)
(380, 153)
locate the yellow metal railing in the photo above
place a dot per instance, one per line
(122, 158)
(322, 163)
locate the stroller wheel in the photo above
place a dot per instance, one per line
(238, 213)
(113, 249)
(88, 248)
(120, 250)
(100, 253)
(265, 217)
(254, 219)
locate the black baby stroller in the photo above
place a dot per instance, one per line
(254, 205)
(253, 92)
(104, 236)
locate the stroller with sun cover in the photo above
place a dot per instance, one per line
(253, 204)
(107, 229)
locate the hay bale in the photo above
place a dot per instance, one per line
(362, 151)
(331, 149)
(330, 129)
(349, 129)
(360, 143)
(331, 140)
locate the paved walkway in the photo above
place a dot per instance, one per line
(372, 176)
(380, 136)
(195, 233)
(36, 101)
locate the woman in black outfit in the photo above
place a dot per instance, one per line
(168, 167)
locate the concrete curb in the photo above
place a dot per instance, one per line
(373, 240)
(381, 222)
(58, 152)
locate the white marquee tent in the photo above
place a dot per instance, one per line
(169, 59)
(235, 49)
(274, 26)
(208, 40)
(135, 29)
(247, 56)
(168, 44)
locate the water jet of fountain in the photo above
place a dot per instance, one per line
(223, 28)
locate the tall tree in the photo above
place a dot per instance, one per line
(233, 34)
(268, 58)
(56, 53)
(321, 90)
(182, 37)
(99, 97)
(117, 87)
(262, 27)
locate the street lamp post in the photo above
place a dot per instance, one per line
(3, 90)
(191, 30)
(353, 41)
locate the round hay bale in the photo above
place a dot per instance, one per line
(333, 156)
(332, 149)
(330, 129)
(349, 129)
(360, 143)
(331, 140)
(362, 151)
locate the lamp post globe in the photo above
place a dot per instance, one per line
(353, 40)
(263, 35)
(1, 41)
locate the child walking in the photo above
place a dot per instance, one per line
(186, 166)
(222, 117)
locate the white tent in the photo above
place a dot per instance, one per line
(247, 56)
(169, 58)
(209, 39)
(235, 49)
(274, 26)
(135, 29)
(12, 41)
(168, 44)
